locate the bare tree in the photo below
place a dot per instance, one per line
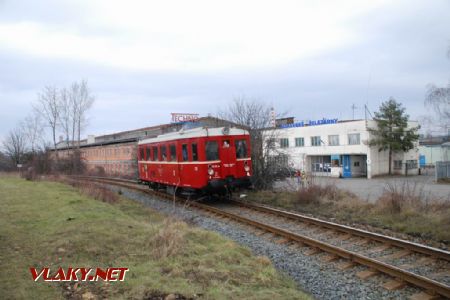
(15, 145)
(255, 116)
(33, 129)
(81, 100)
(48, 107)
(66, 113)
(438, 98)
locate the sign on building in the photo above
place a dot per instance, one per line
(284, 121)
(323, 121)
(182, 117)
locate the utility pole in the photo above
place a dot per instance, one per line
(353, 110)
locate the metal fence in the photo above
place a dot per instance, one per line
(442, 170)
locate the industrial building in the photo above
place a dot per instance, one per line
(115, 154)
(329, 147)
(433, 149)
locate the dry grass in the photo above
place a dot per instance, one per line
(398, 198)
(169, 240)
(92, 190)
(52, 224)
(403, 208)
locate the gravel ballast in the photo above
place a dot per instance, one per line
(321, 280)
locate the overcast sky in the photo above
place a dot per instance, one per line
(146, 59)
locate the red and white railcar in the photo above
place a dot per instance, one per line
(200, 159)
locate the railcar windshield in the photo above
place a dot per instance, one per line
(212, 150)
(241, 148)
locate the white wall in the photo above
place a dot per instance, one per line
(434, 153)
(378, 161)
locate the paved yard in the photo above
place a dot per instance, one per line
(371, 189)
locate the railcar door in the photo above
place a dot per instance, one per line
(228, 158)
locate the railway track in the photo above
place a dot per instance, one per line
(405, 262)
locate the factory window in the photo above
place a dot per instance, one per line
(155, 153)
(194, 152)
(164, 153)
(299, 142)
(411, 164)
(173, 152)
(353, 139)
(397, 164)
(241, 148)
(147, 150)
(333, 140)
(284, 143)
(315, 141)
(212, 150)
(141, 157)
(184, 152)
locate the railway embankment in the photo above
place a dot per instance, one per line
(399, 211)
(49, 224)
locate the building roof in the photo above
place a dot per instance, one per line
(195, 132)
(149, 132)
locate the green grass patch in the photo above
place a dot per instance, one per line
(48, 224)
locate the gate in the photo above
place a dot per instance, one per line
(442, 170)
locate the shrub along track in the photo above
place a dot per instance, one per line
(406, 262)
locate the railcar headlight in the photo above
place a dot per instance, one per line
(210, 170)
(246, 167)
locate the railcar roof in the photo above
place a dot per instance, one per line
(193, 133)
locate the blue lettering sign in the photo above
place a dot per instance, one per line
(310, 123)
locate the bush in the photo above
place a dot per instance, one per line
(405, 196)
(170, 239)
(315, 193)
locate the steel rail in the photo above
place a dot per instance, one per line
(393, 271)
(435, 252)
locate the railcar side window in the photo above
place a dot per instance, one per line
(155, 154)
(164, 153)
(184, 152)
(173, 152)
(147, 153)
(241, 148)
(194, 152)
(212, 150)
(142, 153)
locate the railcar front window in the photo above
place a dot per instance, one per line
(194, 152)
(173, 152)
(155, 154)
(184, 152)
(241, 149)
(212, 150)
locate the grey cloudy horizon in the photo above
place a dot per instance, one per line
(144, 60)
